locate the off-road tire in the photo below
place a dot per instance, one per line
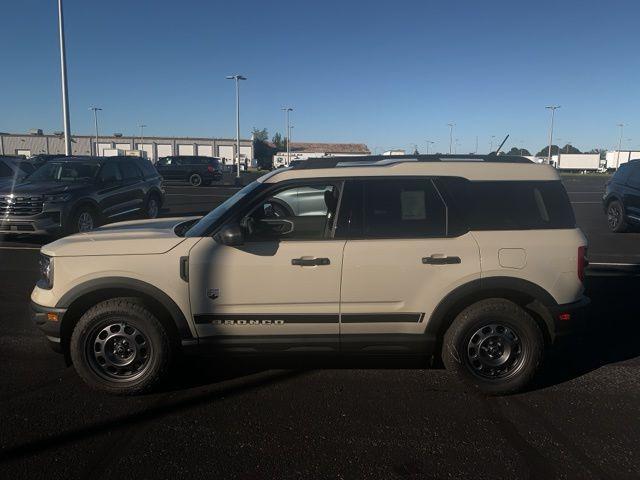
(495, 317)
(129, 312)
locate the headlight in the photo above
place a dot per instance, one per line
(46, 272)
(61, 197)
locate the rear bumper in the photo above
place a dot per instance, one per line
(570, 318)
(43, 318)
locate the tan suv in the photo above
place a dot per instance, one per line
(474, 259)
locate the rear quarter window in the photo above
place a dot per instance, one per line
(508, 205)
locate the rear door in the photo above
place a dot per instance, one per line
(134, 188)
(400, 261)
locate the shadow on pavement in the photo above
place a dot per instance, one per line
(613, 330)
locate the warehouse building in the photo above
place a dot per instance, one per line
(305, 150)
(615, 158)
(36, 143)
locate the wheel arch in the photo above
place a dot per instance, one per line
(82, 297)
(533, 298)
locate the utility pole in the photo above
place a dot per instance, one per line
(286, 111)
(476, 150)
(95, 119)
(491, 143)
(553, 109)
(63, 72)
(237, 79)
(621, 125)
(451, 125)
(142, 127)
(429, 142)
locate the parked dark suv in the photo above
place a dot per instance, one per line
(193, 169)
(621, 198)
(75, 194)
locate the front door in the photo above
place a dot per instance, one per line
(280, 290)
(399, 262)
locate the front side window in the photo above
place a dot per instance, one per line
(75, 171)
(110, 173)
(296, 213)
(634, 177)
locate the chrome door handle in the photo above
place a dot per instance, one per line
(440, 260)
(310, 262)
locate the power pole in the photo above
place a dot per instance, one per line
(63, 72)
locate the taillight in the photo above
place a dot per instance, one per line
(582, 262)
(210, 168)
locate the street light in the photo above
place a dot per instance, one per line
(491, 143)
(237, 79)
(63, 73)
(286, 111)
(429, 142)
(553, 109)
(451, 125)
(142, 127)
(95, 119)
(621, 125)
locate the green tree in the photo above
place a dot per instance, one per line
(519, 151)
(543, 152)
(278, 141)
(260, 135)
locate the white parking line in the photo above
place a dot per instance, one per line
(194, 195)
(599, 203)
(19, 248)
(586, 192)
(613, 264)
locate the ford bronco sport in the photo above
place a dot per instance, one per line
(473, 259)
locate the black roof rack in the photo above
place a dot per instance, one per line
(385, 160)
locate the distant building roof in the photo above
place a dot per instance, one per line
(312, 147)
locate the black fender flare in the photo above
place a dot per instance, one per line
(499, 286)
(132, 285)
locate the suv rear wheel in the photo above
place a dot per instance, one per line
(152, 207)
(119, 347)
(195, 179)
(615, 217)
(494, 345)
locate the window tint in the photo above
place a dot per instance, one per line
(129, 170)
(296, 213)
(621, 174)
(146, 167)
(27, 167)
(110, 173)
(5, 171)
(402, 208)
(507, 205)
(634, 176)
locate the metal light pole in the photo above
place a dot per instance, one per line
(142, 127)
(237, 78)
(63, 72)
(451, 125)
(429, 142)
(553, 109)
(491, 143)
(95, 119)
(286, 111)
(476, 150)
(621, 125)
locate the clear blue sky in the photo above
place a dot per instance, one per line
(385, 73)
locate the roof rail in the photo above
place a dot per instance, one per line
(387, 160)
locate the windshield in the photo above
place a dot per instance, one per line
(65, 172)
(205, 223)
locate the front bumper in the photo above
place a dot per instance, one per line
(42, 224)
(48, 320)
(571, 318)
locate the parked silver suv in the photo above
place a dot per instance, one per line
(474, 259)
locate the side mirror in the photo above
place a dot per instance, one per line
(230, 235)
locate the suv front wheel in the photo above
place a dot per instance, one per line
(615, 217)
(120, 347)
(494, 345)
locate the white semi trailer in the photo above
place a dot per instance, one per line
(577, 161)
(616, 158)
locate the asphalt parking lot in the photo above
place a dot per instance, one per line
(313, 419)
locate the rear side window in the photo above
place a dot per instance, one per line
(129, 170)
(634, 176)
(507, 205)
(393, 208)
(621, 174)
(147, 168)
